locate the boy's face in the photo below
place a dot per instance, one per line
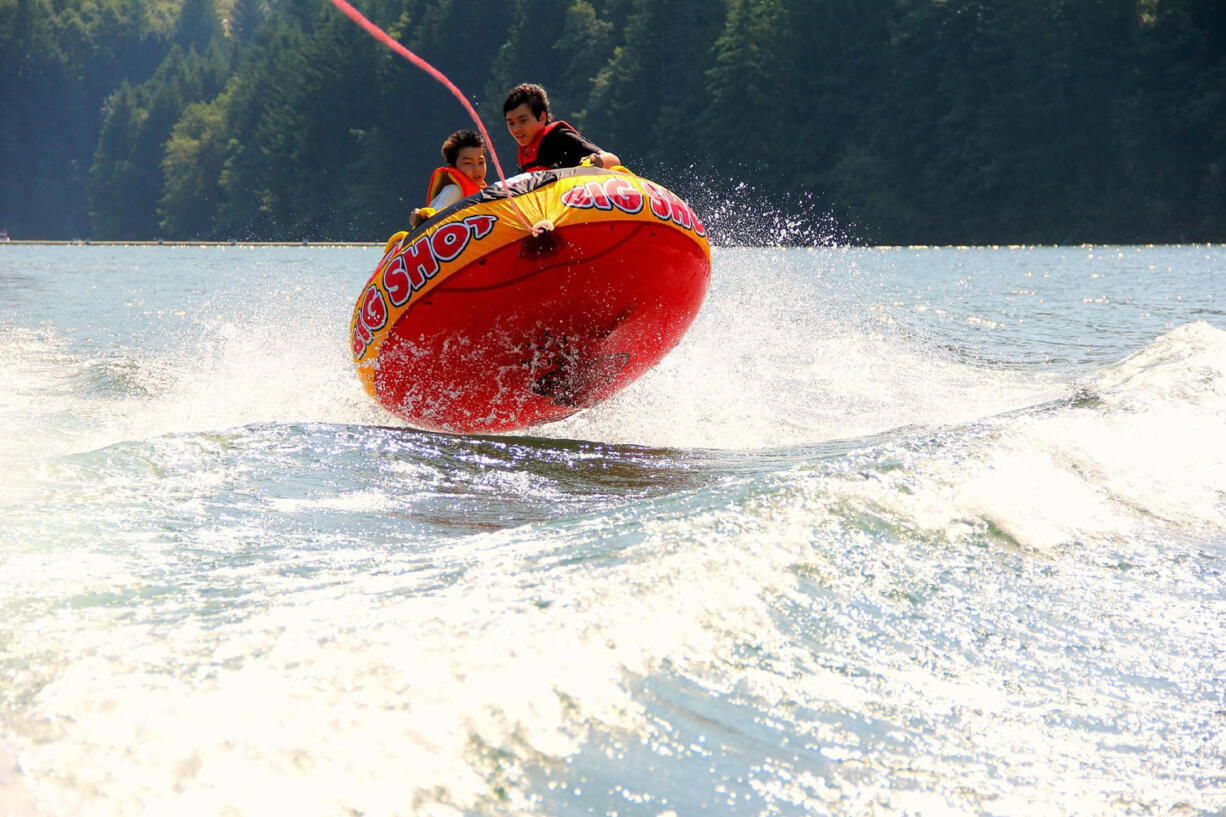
(522, 124)
(471, 162)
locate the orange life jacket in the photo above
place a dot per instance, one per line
(444, 176)
(527, 153)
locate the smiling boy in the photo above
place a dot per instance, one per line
(463, 175)
(546, 143)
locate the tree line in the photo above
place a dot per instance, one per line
(885, 121)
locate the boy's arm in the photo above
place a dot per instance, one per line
(572, 149)
(602, 158)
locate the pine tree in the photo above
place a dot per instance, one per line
(195, 156)
(113, 184)
(746, 87)
(198, 25)
(245, 17)
(645, 101)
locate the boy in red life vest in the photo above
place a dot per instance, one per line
(546, 143)
(463, 175)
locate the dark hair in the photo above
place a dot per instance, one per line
(532, 94)
(458, 140)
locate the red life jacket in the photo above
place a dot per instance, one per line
(527, 153)
(444, 176)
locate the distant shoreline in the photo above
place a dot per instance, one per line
(83, 242)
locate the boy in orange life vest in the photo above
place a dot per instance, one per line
(463, 175)
(545, 143)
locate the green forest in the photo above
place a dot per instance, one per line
(781, 121)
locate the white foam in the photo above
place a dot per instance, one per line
(767, 363)
(341, 693)
(363, 699)
(1151, 452)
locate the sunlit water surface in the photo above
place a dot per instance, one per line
(892, 532)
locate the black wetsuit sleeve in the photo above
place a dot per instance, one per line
(564, 147)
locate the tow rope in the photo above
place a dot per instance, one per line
(385, 38)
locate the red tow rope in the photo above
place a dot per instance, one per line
(385, 38)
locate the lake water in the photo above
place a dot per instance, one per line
(906, 531)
